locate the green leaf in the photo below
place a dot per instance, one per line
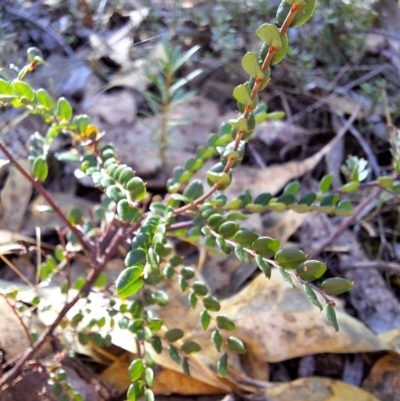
(331, 315)
(263, 199)
(311, 270)
(264, 267)
(245, 237)
(174, 355)
(125, 176)
(211, 303)
(199, 288)
(225, 323)
(190, 347)
(127, 212)
(241, 254)
(194, 190)
(290, 258)
(266, 246)
(292, 188)
(251, 66)
(135, 391)
(305, 12)
(242, 95)
(156, 344)
(187, 272)
(136, 188)
(205, 319)
(5, 87)
(154, 323)
(336, 286)
(114, 193)
(216, 339)
(149, 376)
(222, 365)
(23, 89)
(192, 299)
(40, 169)
(44, 99)
(330, 200)
(129, 282)
(218, 178)
(136, 370)
(312, 297)
(236, 345)
(269, 34)
(185, 367)
(278, 57)
(136, 257)
(307, 199)
(350, 186)
(282, 272)
(173, 335)
(149, 395)
(228, 229)
(64, 109)
(325, 183)
(225, 247)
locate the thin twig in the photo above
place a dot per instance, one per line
(346, 223)
(39, 187)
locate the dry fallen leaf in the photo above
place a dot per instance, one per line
(384, 378)
(317, 389)
(14, 336)
(278, 323)
(15, 197)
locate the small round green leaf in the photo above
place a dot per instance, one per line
(40, 169)
(290, 258)
(127, 212)
(264, 266)
(64, 109)
(216, 339)
(222, 365)
(174, 355)
(331, 315)
(188, 272)
(190, 347)
(211, 303)
(228, 229)
(236, 345)
(336, 286)
(173, 335)
(311, 270)
(266, 246)
(225, 323)
(199, 288)
(136, 188)
(205, 319)
(312, 297)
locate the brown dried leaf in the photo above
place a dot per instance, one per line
(14, 336)
(278, 323)
(384, 378)
(316, 389)
(15, 197)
